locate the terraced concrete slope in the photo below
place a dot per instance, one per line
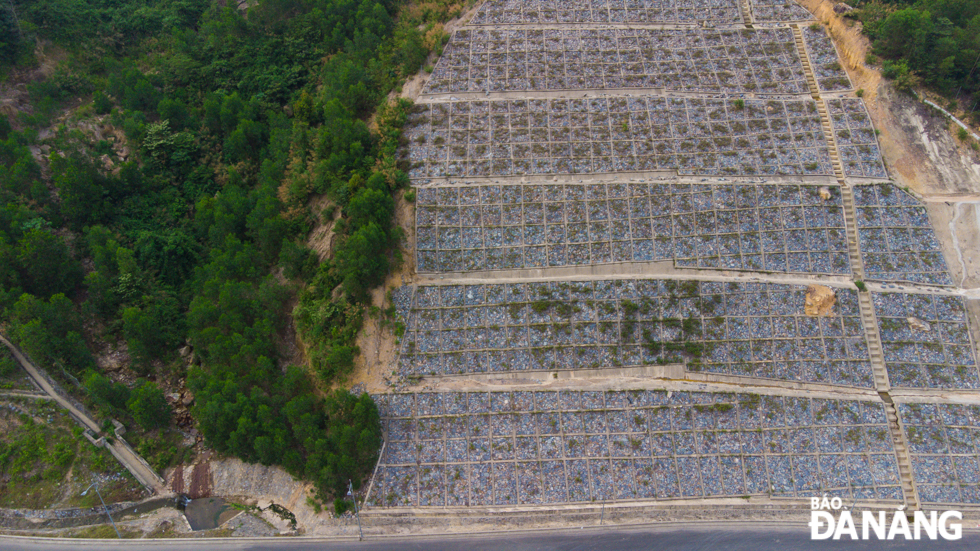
(623, 211)
(527, 448)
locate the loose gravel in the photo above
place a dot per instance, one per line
(690, 60)
(509, 12)
(896, 237)
(943, 442)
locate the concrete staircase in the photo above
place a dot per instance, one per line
(811, 82)
(882, 385)
(850, 227)
(811, 79)
(909, 491)
(871, 335)
(746, 12)
(828, 132)
(118, 447)
(868, 318)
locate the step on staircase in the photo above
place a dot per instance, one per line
(909, 491)
(746, 13)
(828, 132)
(851, 230)
(873, 338)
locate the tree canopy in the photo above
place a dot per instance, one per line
(175, 204)
(937, 40)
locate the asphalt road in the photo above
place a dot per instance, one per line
(715, 538)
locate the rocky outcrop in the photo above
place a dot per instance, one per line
(916, 324)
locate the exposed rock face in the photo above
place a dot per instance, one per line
(825, 193)
(918, 325)
(820, 300)
(115, 358)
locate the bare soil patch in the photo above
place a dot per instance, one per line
(377, 341)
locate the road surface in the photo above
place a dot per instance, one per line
(713, 537)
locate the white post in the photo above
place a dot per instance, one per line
(104, 507)
(350, 490)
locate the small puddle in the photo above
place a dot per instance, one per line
(208, 513)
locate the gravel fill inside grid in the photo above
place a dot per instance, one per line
(942, 357)
(944, 442)
(616, 134)
(856, 138)
(509, 12)
(824, 59)
(745, 329)
(630, 445)
(786, 228)
(897, 240)
(779, 10)
(720, 61)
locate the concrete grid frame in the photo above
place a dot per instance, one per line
(517, 12)
(616, 134)
(531, 448)
(763, 227)
(742, 329)
(731, 60)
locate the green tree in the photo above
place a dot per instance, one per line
(49, 331)
(114, 396)
(170, 254)
(45, 264)
(297, 260)
(101, 103)
(369, 206)
(905, 33)
(8, 366)
(362, 260)
(84, 191)
(148, 406)
(10, 35)
(5, 127)
(153, 329)
(175, 112)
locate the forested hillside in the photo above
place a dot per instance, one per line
(156, 189)
(937, 41)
